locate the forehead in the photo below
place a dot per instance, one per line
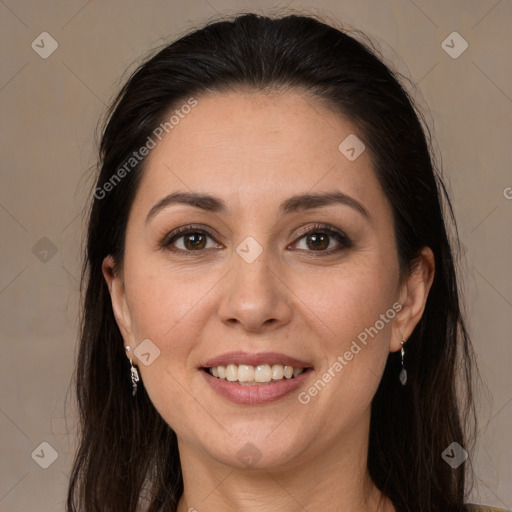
(254, 148)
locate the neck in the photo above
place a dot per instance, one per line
(334, 479)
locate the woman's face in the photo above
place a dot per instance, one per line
(266, 273)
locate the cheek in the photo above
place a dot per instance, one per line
(354, 297)
(357, 308)
(162, 300)
(168, 309)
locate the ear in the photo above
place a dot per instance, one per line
(122, 314)
(413, 297)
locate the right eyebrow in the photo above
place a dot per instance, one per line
(203, 201)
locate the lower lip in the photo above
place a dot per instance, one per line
(258, 393)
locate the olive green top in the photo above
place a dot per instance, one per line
(484, 508)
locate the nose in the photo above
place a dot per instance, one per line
(254, 295)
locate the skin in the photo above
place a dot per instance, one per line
(254, 150)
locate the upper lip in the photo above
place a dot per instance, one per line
(255, 359)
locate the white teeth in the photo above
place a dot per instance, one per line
(231, 372)
(277, 372)
(263, 373)
(247, 374)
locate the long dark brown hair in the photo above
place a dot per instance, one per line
(127, 458)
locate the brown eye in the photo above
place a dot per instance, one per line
(188, 240)
(319, 239)
(194, 241)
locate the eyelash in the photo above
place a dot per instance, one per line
(339, 235)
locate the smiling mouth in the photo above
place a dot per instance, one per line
(249, 375)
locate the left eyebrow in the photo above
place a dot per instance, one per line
(304, 202)
(301, 202)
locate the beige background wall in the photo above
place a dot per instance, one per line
(49, 109)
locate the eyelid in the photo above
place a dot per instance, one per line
(183, 230)
(332, 231)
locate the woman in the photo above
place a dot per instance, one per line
(271, 318)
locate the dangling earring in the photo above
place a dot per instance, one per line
(134, 374)
(403, 373)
